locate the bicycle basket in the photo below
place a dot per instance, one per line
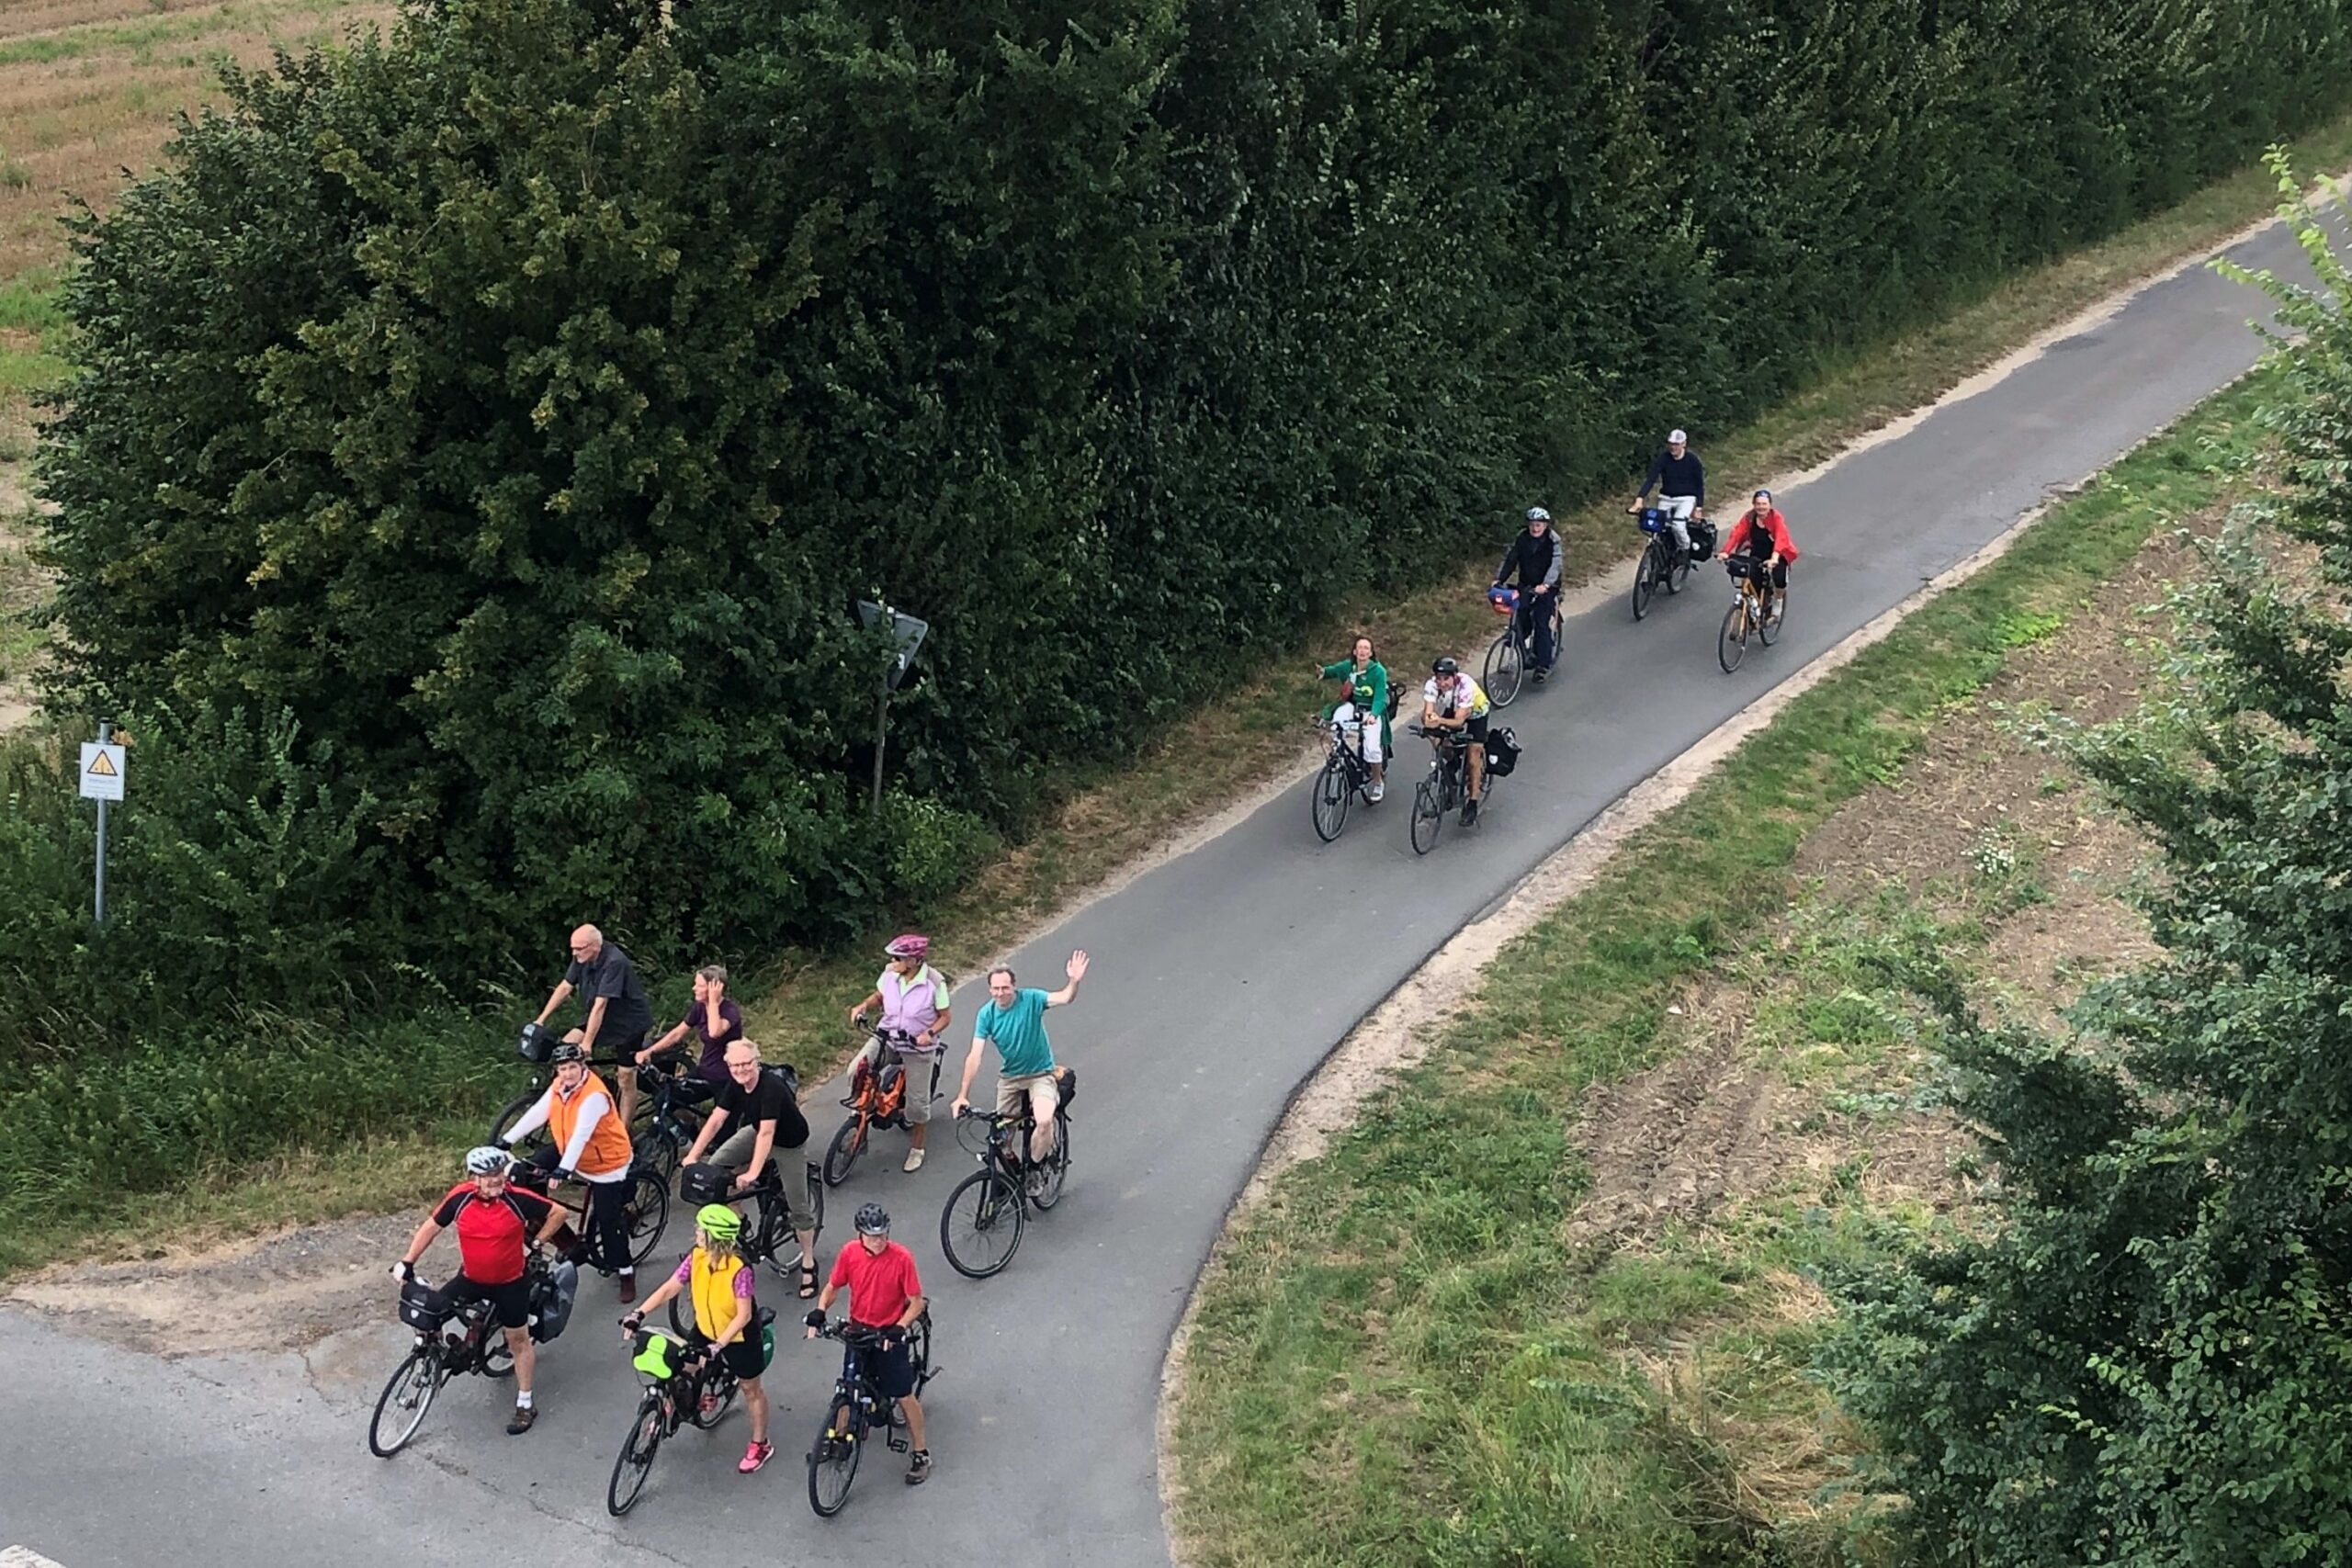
(701, 1184)
(424, 1307)
(538, 1042)
(657, 1354)
(1502, 601)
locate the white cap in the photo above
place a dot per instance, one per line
(1677, 438)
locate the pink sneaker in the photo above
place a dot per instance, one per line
(755, 1456)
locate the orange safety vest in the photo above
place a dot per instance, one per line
(607, 1149)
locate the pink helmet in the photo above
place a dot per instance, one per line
(910, 946)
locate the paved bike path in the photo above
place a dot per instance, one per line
(1220, 980)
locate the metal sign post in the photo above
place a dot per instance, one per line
(909, 634)
(102, 770)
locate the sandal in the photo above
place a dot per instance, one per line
(808, 1278)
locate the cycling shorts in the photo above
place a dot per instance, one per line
(510, 1303)
(892, 1364)
(1475, 730)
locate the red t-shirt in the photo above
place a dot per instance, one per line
(880, 1284)
(492, 1232)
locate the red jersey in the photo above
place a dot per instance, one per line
(1773, 529)
(880, 1284)
(492, 1232)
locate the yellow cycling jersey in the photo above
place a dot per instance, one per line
(1450, 703)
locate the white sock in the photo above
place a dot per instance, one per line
(523, 1399)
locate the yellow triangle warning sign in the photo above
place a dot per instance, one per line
(102, 766)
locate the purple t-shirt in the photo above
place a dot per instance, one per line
(713, 1065)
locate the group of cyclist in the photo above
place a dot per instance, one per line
(754, 1128)
(1456, 709)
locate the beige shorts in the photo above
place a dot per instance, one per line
(1038, 1092)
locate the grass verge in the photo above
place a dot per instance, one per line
(1410, 1351)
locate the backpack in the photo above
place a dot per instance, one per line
(1502, 753)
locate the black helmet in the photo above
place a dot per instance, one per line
(1446, 667)
(569, 1051)
(873, 1219)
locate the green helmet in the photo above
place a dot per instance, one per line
(718, 1221)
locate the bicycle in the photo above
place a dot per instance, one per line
(684, 1385)
(646, 1212)
(991, 1207)
(1747, 614)
(1444, 789)
(1345, 776)
(671, 1107)
(856, 1408)
(770, 1238)
(435, 1358)
(1664, 563)
(1507, 659)
(877, 1099)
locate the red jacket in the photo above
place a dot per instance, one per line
(1743, 531)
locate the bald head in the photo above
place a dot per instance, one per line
(586, 942)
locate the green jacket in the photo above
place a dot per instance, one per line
(1370, 694)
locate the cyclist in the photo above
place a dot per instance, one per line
(618, 1014)
(916, 1002)
(1535, 558)
(587, 1141)
(1013, 1021)
(715, 1023)
(885, 1295)
(1681, 481)
(767, 1122)
(719, 1282)
(1763, 534)
(494, 1223)
(1364, 709)
(1453, 702)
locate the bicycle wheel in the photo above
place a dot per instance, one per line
(511, 1113)
(1767, 629)
(635, 1461)
(400, 1409)
(1645, 580)
(722, 1386)
(1048, 1192)
(648, 1212)
(1427, 816)
(1731, 643)
(843, 1152)
(658, 1151)
(1677, 570)
(1333, 791)
(498, 1357)
(833, 1458)
(980, 1227)
(1505, 663)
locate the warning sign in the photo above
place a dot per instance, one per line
(101, 772)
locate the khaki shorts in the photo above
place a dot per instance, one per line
(734, 1152)
(1038, 1092)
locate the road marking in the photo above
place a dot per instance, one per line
(25, 1557)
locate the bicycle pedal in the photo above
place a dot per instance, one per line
(897, 1444)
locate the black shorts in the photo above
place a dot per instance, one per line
(510, 1303)
(749, 1355)
(892, 1364)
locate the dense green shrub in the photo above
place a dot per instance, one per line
(2146, 1359)
(522, 403)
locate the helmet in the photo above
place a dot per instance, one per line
(1537, 514)
(487, 1160)
(718, 1221)
(911, 945)
(1444, 667)
(570, 1050)
(873, 1219)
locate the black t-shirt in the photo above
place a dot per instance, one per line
(768, 1098)
(628, 1015)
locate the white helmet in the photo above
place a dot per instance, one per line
(487, 1160)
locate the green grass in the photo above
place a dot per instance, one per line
(140, 39)
(1402, 1355)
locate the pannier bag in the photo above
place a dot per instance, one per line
(424, 1307)
(701, 1184)
(1702, 539)
(551, 1300)
(1502, 754)
(538, 1042)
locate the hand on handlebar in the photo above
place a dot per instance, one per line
(857, 1017)
(403, 1270)
(962, 1107)
(631, 1322)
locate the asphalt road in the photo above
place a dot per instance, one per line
(1220, 980)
